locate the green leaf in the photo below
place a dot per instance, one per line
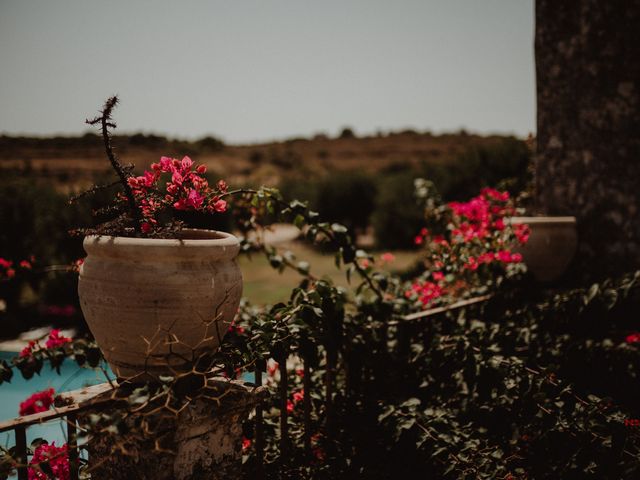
(593, 291)
(299, 221)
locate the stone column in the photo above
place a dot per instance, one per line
(588, 138)
(204, 440)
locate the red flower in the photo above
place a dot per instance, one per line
(28, 350)
(522, 232)
(495, 194)
(272, 369)
(246, 443)
(186, 164)
(56, 457)
(236, 328)
(298, 396)
(506, 256)
(56, 340)
(387, 257)
(633, 337)
(426, 292)
(289, 406)
(472, 264)
(38, 402)
(220, 206)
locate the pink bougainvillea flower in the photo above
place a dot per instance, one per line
(472, 264)
(57, 459)
(220, 206)
(290, 406)
(236, 329)
(298, 396)
(38, 402)
(495, 194)
(186, 164)
(25, 264)
(425, 292)
(166, 164)
(387, 257)
(246, 443)
(28, 350)
(177, 178)
(633, 337)
(506, 256)
(4, 263)
(437, 276)
(418, 240)
(486, 257)
(201, 169)
(522, 232)
(56, 340)
(194, 199)
(272, 368)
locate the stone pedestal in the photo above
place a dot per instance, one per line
(201, 441)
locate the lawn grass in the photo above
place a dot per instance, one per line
(263, 285)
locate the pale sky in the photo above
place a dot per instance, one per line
(257, 70)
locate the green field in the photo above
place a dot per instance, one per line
(265, 285)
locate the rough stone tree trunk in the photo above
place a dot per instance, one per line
(588, 139)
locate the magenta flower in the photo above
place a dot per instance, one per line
(38, 402)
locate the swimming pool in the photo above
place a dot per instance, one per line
(71, 377)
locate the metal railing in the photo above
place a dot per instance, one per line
(77, 401)
(83, 399)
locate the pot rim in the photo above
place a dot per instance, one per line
(211, 243)
(543, 219)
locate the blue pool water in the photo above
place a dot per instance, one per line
(71, 377)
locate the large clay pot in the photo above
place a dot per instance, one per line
(155, 306)
(551, 246)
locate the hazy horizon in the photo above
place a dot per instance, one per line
(252, 72)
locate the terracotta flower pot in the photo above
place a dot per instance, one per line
(551, 246)
(154, 305)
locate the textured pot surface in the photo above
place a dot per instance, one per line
(155, 305)
(551, 246)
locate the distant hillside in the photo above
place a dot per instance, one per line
(75, 161)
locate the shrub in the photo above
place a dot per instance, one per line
(397, 217)
(504, 164)
(348, 198)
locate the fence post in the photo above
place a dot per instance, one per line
(21, 451)
(283, 387)
(72, 447)
(259, 427)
